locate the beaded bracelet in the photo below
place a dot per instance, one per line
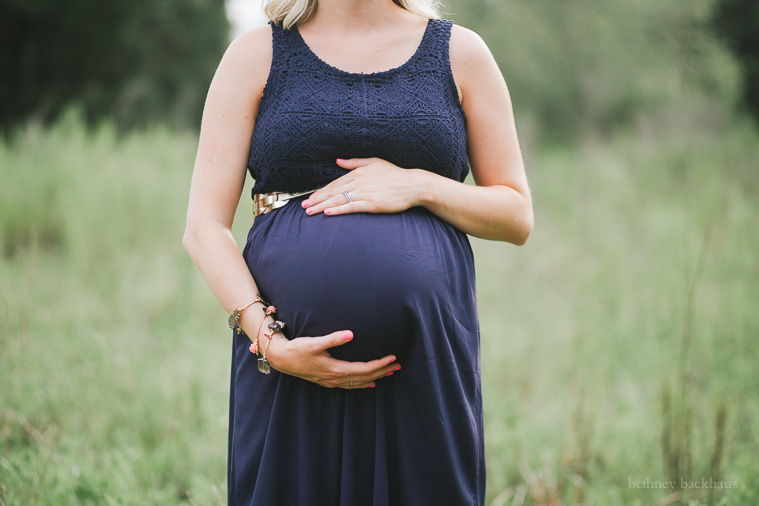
(268, 311)
(263, 363)
(234, 318)
(254, 345)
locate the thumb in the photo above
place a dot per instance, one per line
(335, 339)
(352, 163)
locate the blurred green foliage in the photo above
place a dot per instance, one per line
(576, 68)
(584, 67)
(737, 21)
(134, 62)
(114, 356)
(628, 318)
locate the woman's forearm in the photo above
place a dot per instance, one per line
(495, 212)
(215, 252)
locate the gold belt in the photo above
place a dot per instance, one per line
(265, 202)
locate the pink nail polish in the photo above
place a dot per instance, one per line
(304, 203)
(309, 211)
(328, 211)
(341, 159)
(397, 368)
(389, 374)
(371, 386)
(347, 335)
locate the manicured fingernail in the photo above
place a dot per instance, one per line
(394, 359)
(347, 335)
(372, 385)
(305, 203)
(309, 211)
(389, 374)
(328, 211)
(341, 159)
(397, 368)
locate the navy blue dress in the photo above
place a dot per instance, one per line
(403, 283)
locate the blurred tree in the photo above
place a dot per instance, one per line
(588, 67)
(737, 21)
(136, 61)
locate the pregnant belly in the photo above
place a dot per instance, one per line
(361, 272)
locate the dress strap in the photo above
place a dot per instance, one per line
(279, 45)
(436, 55)
(438, 36)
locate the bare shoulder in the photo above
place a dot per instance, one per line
(252, 48)
(474, 68)
(468, 51)
(255, 42)
(248, 57)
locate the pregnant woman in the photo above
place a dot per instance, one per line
(358, 120)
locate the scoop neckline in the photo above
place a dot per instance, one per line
(413, 57)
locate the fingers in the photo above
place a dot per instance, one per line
(334, 189)
(365, 373)
(330, 204)
(352, 381)
(338, 338)
(352, 207)
(380, 365)
(308, 358)
(383, 372)
(360, 380)
(345, 374)
(355, 385)
(373, 186)
(354, 163)
(330, 189)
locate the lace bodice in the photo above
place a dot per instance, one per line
(311, 113)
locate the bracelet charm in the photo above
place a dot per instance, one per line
(234, 318)
(264, 366)
(263, 363)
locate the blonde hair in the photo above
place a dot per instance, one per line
(290, 12)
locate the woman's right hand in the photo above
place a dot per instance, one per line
(307, 358)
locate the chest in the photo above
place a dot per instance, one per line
(408, 118)
(363, 54)
(312, 113)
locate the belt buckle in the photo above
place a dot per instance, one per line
(265, 202)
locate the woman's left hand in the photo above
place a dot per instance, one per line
(373, 185)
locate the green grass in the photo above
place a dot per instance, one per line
(638, 285)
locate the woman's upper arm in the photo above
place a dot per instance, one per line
(228, 119)
(493, 147)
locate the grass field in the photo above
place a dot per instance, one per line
(619, 345)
